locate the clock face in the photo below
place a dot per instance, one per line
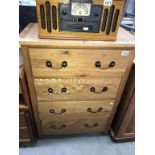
(80, 9)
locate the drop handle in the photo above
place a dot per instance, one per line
(51, 91)
(49, 65)
(61, 112)
(104, 89)
(91, 111)
(58, 128)
(91, 126)
(98, 65)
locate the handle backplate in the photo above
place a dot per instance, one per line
(61, 112)
(91, 111)
(63, 90)
(58, 128)
(104, 89)
(91, 126)
(49, 65)
(98, 65)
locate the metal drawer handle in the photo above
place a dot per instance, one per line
(49, 65)
(99, 110)
(91, 126)
(62, 111)
(92, 89)
(63, 90)
(58, 128)
(98, 64)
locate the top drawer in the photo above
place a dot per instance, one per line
(78, 62)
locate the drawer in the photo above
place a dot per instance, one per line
(24, 133)
(26, 128)
(78, 62)
(76, 89)
(74, 125)
(22, 120)
(75, 108)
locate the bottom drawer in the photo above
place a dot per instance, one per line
(26, 132)
(74, 125)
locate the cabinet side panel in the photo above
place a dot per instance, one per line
(125, 100)
(120, 90)
(31, 88)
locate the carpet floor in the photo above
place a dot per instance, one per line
(79, 145)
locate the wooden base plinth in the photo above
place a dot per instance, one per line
(120, 139)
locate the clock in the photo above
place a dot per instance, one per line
(80, 9)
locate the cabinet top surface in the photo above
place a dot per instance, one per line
(29, 37)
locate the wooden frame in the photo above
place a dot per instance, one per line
(31, 88)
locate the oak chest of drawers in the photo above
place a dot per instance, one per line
(75, 85)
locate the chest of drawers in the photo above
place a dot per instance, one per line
(27, 129)
(75, 85)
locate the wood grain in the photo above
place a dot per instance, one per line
(120, 92)
(124, 102)
(73, 125)
(77, 82)
(128, 120)
(80, 63)
(56, 34)
(76, 89)
(26, 117)
(74, 108)
(22, 121)
(123, 126)
(29, 76)
(29, 37)
(24, 133)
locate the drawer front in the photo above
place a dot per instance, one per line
(78, 62)
(75, 108)
(22, 120)
(24, 133)
(76, 89)
(73, 125)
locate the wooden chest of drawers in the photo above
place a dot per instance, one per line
(27, 129)
(75, 85)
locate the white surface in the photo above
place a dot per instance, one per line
(27, 2)
(108, 2)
